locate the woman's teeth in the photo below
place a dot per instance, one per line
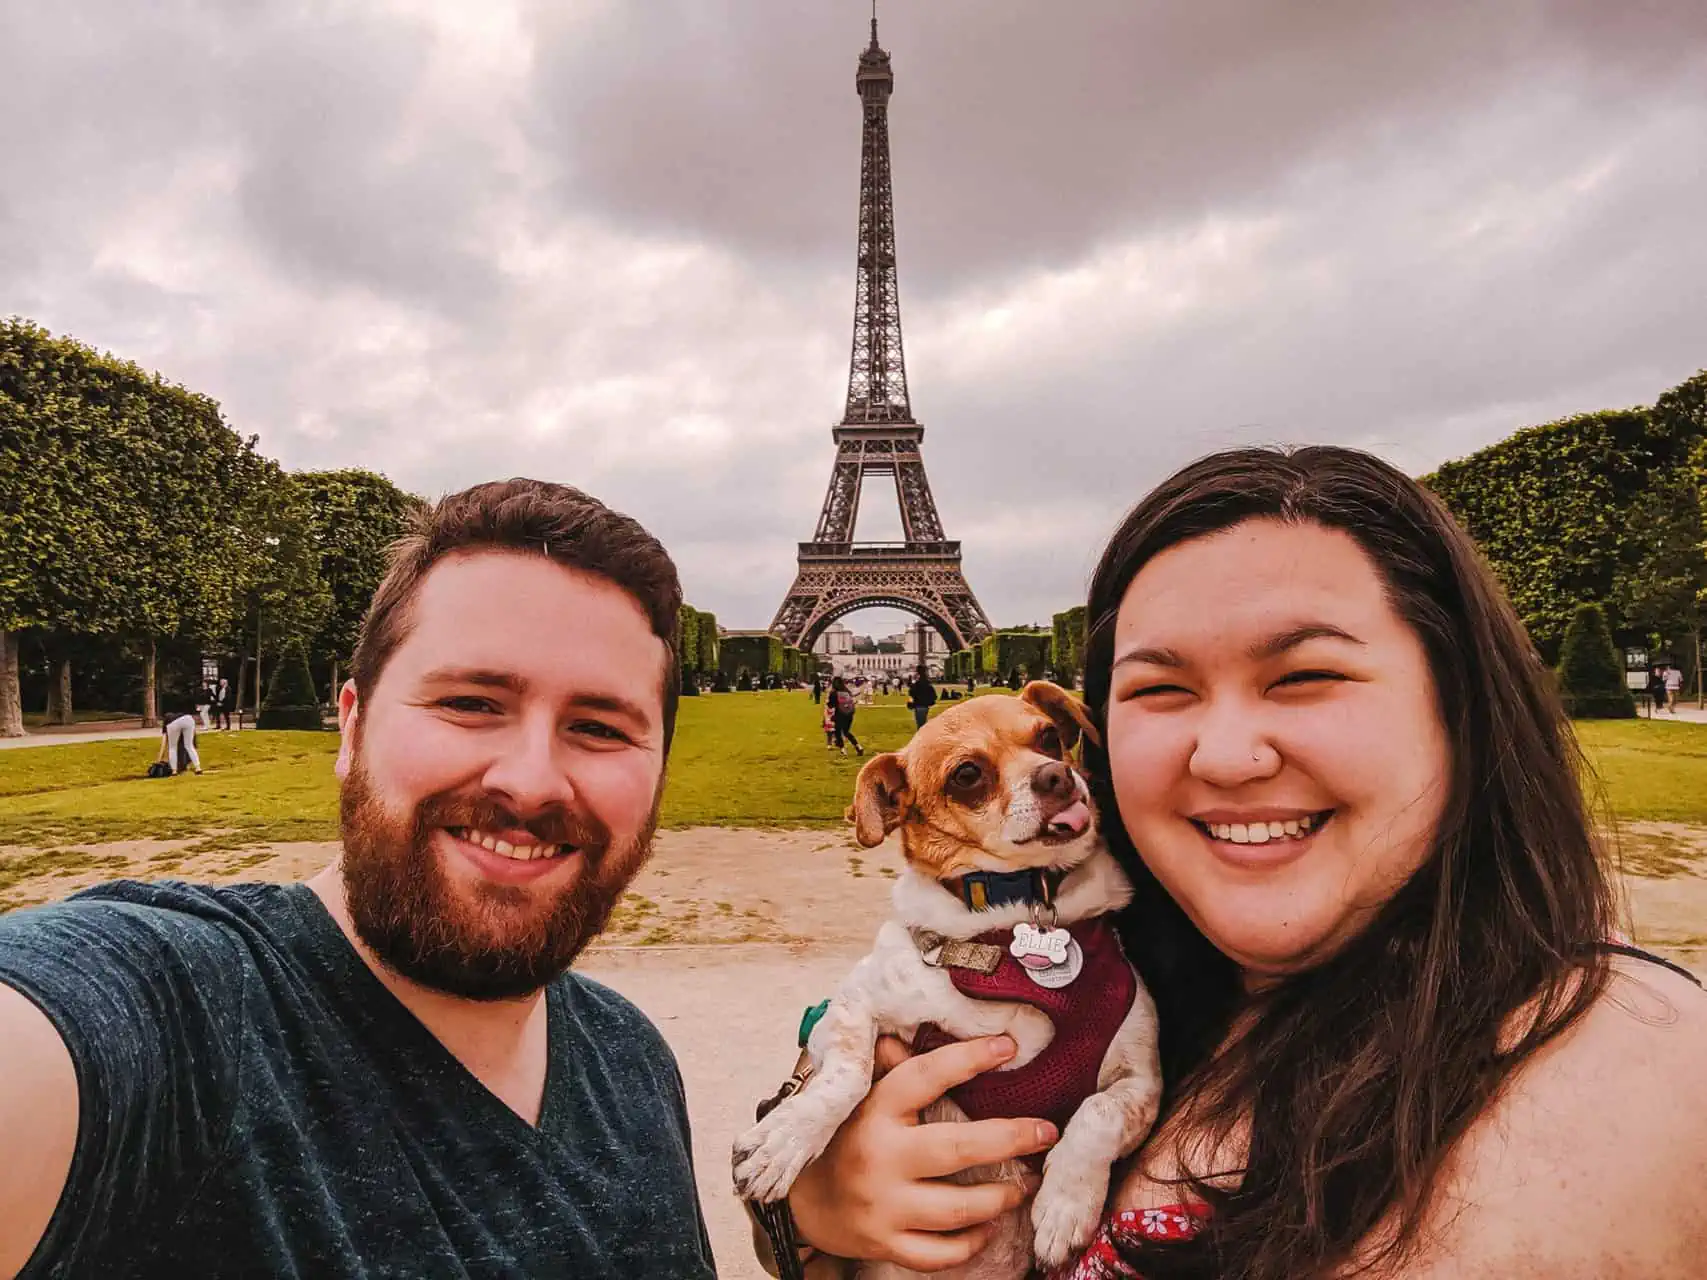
(504, 849)
(1263, 832)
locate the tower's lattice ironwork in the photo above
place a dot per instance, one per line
(877, 436)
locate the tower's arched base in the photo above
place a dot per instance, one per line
(837, 580)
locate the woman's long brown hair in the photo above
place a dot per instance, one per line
(1359, 1075)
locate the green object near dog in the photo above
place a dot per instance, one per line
(809, 1019)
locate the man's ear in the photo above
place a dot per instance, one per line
(348, 710)
(1069, 714)
(879, 798)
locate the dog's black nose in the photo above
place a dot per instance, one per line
(1054, 781)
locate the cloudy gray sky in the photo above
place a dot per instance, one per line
(611, 241)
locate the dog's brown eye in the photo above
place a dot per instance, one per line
(1049, 742)
(966, 776)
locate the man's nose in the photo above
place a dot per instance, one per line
(530, 769)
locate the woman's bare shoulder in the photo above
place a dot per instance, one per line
(1594, 1154)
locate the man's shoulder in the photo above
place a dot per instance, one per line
(126, 917)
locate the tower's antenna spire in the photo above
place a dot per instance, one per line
(874, 24)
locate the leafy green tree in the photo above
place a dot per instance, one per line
(115, 493)
(756, 655)
(291, 700)
(355, 516)
(280, 597)
(708, 644)
(1017, 651)
(1661, 590)
(1557, 509)
(1067, 648)
(689, 655)
(1591, 674)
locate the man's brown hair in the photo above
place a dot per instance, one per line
(532, 517)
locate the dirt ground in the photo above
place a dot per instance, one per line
(728, 934)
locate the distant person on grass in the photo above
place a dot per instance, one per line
(921, 697)
(222, 704)
(391, 1069)
(178, 731)
(1673, 687)
(842, 706)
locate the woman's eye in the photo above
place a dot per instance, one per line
(1151, 691)
(966, 775)
(1309, 677)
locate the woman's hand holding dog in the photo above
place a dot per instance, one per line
(877, 1192)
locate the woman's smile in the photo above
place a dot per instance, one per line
(1261, 840)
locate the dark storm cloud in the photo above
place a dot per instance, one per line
(612, 243)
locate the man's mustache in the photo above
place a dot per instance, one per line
(556, 825)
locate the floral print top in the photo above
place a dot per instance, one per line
(1102, 1260)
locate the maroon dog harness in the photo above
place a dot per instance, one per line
(1086, 1012)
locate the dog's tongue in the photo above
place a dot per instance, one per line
(1072, 820)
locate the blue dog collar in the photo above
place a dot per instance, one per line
(983, 890)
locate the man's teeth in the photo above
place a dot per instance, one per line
(1263, 832)
(504, 849)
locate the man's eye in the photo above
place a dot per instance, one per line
(467, 704)
(599, 729)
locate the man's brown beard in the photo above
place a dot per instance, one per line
(502, 945)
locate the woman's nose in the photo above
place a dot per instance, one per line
(1233, 747)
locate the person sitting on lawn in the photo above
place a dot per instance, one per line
(390, 1069)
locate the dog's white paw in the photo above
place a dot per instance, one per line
(770, 1156)
(1065, 1214)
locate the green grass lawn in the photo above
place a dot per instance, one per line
(741, 759)
(1652, 770)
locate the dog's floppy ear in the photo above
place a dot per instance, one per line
(1068, 713)
(878, 798)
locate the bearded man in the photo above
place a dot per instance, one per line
(390, 1070)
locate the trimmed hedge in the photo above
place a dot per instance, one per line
(291, 701)
(1591, 675)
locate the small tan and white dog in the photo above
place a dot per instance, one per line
(1000, 926)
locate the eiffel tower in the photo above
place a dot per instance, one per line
(920, 575)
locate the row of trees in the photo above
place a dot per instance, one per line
(1605, 508)
(1025, 653)
(134, 522)
(747, 657)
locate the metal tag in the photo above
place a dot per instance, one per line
(980, 957)
(1054, 976)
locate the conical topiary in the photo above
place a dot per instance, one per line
(1591, 674)
(291, 701)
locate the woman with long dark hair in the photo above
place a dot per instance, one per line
(1398, 1036)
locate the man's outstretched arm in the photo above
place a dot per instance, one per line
(38, 1126)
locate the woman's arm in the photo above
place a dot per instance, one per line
(876, 1192)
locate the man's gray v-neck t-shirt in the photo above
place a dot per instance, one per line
(256, 1103)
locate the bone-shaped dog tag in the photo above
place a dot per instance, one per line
(1049, 957)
